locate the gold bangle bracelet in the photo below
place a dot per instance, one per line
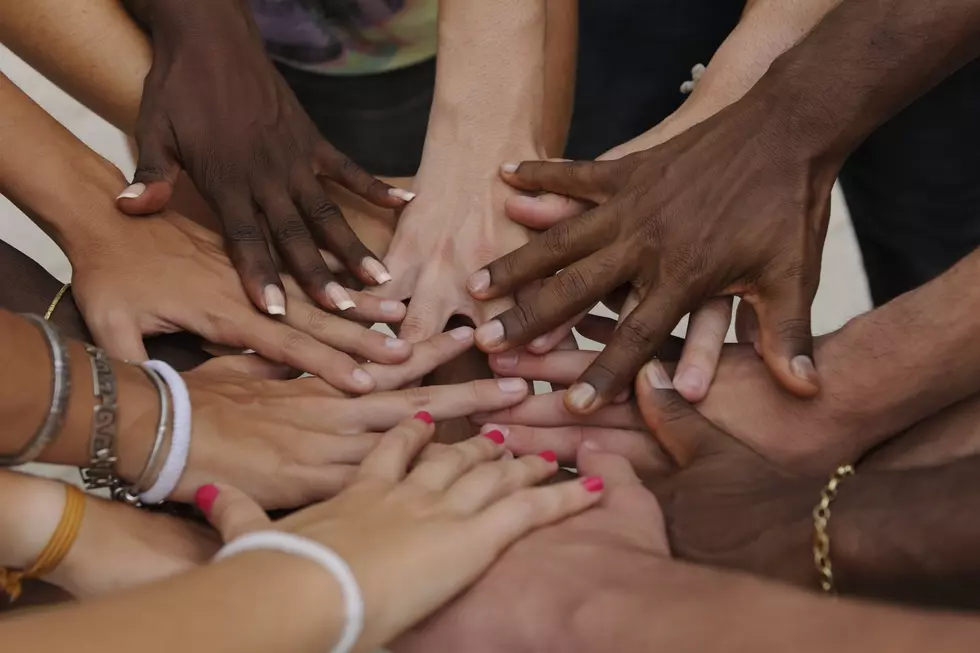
(54, 302)
(821, 520)
(57, 548)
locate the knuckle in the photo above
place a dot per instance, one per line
(323, 212)
(418, 397)
(558, 239)
(244, 233)
(637, 337)
(524, 315)
(320, 321)
(291, 230)
(795, 328)
(294, 342)
(573, 284)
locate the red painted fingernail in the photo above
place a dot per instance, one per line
(205, 497)
(495, 435)
(424, 416)
(550, 456)
(593, 483)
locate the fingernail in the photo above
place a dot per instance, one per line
(691, 380)
(496, 436)
(550, 456)
(402, 194)
(338, 295)
(486, 428)
(132, 191)
(592, 445)
(657, 376)
(581, 396)
(512, 385)
(424, 416)
(509, 168)
(376, 270)
(479, 281)
(462, 334)
(390, 307)
(205, 497)
(506, 360)
(490, 334)
(622, 397)
(593, 483)
(395, 343)
(275, 301)
(362, 378)
(530, 199)
(803, 368)
(539, 343)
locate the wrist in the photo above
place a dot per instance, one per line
(30, 508)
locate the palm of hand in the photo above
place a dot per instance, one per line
(438, 243)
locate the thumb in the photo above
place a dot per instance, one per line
(230, 511)
(786, 341)
(120, 335)
(679, 428)
(156, 174)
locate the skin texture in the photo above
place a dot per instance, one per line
(724, 237)
(211, 83)
(393, 527)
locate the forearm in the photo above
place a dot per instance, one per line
(489, 102)
(25, 395)
(679, 607)
(93, 50)
(66, 188)
(255, 602)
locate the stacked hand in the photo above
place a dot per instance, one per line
(415, 539)
(215, 106)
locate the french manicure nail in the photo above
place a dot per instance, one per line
(395, 343)
(275, 301)
(581, 395)
(692, 380)
(803, 368)
(593, 483)
(657, 376)
(490, 334)
(496, 436)
(132, 191)
(376, 270)
(479, 281)
(424, 416)
(509, 168)
(507, 360)
(205, 497)
(361, 377)
(550, 456)
(512, 385)
(339, 296)
(462, 334)
(402, 194)
(389, 307)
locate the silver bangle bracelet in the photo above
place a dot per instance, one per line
(101, 472)
(60, 390)
(131, 495)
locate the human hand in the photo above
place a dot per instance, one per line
(455, 225)
(415, 539)
(165, 274)
(215, 106)
(288, 443)
(538, 587)
(678, 246)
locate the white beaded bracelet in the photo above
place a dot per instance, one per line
(180, 442)
(327, 558)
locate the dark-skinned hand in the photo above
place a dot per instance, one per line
(733, 206)
(215, 106)
(725, 505)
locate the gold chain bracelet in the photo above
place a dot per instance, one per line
(54, 302)
(821, 519)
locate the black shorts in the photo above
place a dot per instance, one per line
(912, 187)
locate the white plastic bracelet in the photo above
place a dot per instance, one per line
(327, 558)
(180, 442)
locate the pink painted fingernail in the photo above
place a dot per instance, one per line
(490, 334)
(550, 456)
(376, 270)
(424, 416)
(486, 428)
(479, 281)
(593, 484)
(402, 194)
(496, 436)
(339, 296)
(507, 360)
(581, 396)
(132, 192)
(275, 301)
(205, 497)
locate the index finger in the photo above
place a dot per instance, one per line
(587, 180)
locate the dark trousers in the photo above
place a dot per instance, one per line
(913, 187)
